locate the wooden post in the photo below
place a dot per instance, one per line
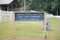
(11, 16)
(14, 28)
(45, 36)
(0, 14)
(7, 8)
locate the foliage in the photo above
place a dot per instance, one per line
(51, 6)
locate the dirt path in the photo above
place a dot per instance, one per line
(26, 38)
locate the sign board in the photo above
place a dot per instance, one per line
(29, 16)
(32, 17)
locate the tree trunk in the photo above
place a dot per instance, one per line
(57, 12)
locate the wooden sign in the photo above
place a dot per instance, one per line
(29, 16)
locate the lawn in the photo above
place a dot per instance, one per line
(29, 29)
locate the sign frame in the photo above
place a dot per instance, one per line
(45, 21)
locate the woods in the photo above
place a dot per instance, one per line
(50, 6)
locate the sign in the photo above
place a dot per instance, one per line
(29, 16)
(32, 17)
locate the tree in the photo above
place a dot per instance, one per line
(51, 6)
(55, 6)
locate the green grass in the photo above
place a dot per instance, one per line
(55, 26)
(30, 29)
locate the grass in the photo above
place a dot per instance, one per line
(30, 29)
(55, 26)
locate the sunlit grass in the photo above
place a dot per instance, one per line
(30, 29)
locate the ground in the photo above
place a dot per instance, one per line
(29, 30)
(27, 38)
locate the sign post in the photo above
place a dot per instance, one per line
(32, 17)
(45, 36)
(0, 14)
(14, 27)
